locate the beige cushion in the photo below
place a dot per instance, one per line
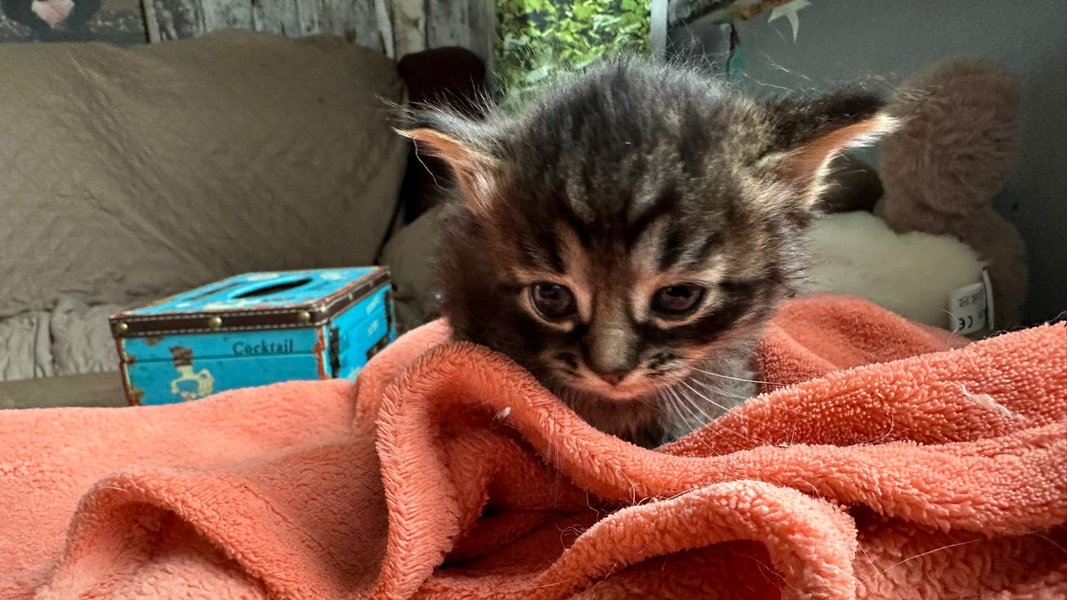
(132, 173)
(409, 255)
(25, 347)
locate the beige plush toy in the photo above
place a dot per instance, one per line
(956, 145)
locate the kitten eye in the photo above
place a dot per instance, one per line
(675, 300)
(552, 300)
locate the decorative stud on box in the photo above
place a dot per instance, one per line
(254, 329)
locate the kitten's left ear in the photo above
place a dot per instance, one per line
(472, 167)
(809, 137)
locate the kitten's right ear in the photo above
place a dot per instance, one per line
(472, 167)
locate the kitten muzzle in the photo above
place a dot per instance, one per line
(612, 377)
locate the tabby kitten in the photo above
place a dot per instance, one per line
(625, 236)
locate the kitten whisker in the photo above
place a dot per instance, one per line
(927, 553)
(704, 416)
(724, 408)
(683, 402)
(685, 413)
(741, 379)
(735, 437)
(684, 407)
(719, 391)
(665, 400)
(672, 414)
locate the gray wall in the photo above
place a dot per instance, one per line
(842, 39)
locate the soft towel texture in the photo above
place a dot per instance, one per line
(448, 472)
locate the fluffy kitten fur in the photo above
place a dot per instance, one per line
(638, 189)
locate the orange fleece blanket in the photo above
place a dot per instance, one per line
(896, 464)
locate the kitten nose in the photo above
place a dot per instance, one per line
(612, 377)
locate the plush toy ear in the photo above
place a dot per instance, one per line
(805, 167)
(473, 168)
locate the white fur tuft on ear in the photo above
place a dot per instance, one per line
(807, 166)
(473, 168)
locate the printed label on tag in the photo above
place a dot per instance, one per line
(967, 307)
(990, 319)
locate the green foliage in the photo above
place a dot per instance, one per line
(537, 37)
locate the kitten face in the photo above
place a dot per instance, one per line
(620, 317)
(625, 237)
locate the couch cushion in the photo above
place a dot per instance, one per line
(409, 256)
(25, 346)
(70, 339)
(132, 173)
(81, 338)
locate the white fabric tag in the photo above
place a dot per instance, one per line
(990, 314)
(967, 308)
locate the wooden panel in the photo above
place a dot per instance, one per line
(175, 19)
(308, 18)
(446, 22)
(358, 20)
(465, 23)
(355, 20)
(275, 16)
(385, 26)
(223, 14)
(395, 27)
(409, 26)
(481, 24)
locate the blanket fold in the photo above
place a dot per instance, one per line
(883, 460)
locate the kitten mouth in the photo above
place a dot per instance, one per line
(623, 392)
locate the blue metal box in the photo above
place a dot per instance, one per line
(254, 329)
